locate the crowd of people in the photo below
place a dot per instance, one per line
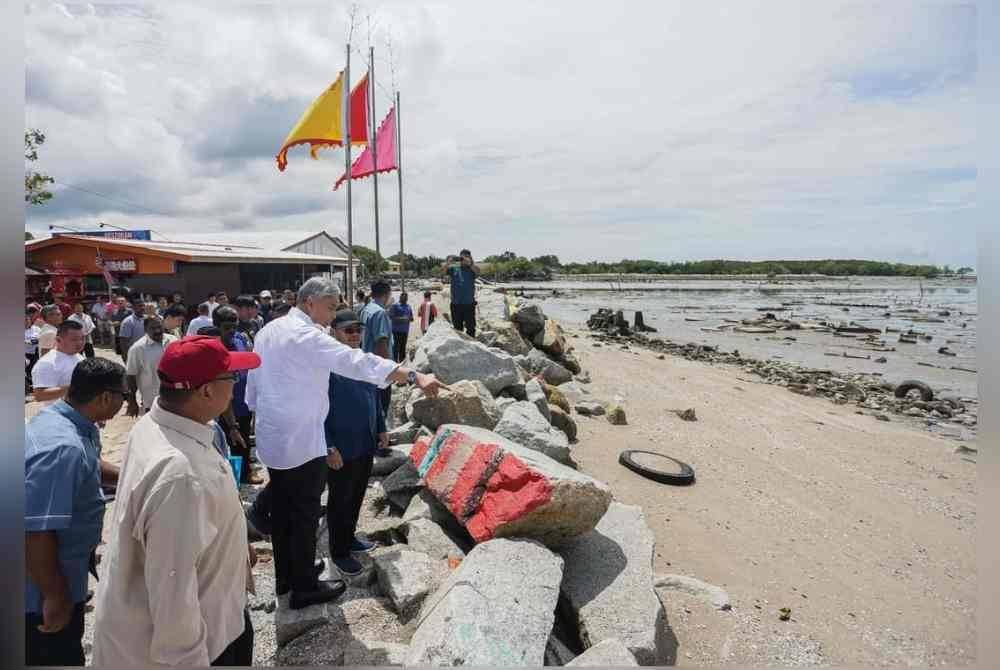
(300, 384)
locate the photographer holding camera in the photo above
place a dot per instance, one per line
(463, 272)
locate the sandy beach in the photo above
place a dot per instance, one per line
(863, 529)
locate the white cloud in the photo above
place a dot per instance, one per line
(661, 130)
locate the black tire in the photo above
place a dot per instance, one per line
(926, 394)
(682, 478)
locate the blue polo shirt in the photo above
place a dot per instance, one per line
(355, 418)
(376, 325)
(240, 407)
(401, 314)
(463, 285)
(62, 486)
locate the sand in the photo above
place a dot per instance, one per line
(864, 529)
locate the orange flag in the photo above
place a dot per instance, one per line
(322, 123)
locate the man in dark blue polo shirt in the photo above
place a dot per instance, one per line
(355, 427)
(64, 510)
(463, 272)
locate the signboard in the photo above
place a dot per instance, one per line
(119, 264)
(115, 234)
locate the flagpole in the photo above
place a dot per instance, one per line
(373, 146)
(399, 179)
(347, 162)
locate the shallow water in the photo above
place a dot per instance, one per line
(666, 305)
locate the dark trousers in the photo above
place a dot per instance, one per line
(32, 359)
(240, 650)
(399, 346)
(62, 648)
(243, 425)
(385, 395)
(343, 506)
(88, 350)
(295, 502)
(464, 317)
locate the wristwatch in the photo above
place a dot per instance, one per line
(411, 376)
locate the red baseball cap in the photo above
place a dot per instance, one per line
(198, 359)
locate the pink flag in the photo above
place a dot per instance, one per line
(385, 140)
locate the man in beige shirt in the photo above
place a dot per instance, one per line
(173, 588)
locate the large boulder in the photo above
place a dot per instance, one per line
(397, 456)
(610, 653)
(563, 421)
(469, 402)
(406, 577)
(550, 339)
(402, 484)
(406, 432)
(425, 506)
(525, 425)
(496, 609)
(440, 329)
(536, 362)
(454, 359)
(497, 488)
(608, 586)
(569, 361)
(427, 537)
(529, 319)
(535, 394)
(509, 338)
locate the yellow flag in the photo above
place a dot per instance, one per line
(320, 125)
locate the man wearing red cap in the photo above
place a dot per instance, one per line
(174, 591)
(290, 394)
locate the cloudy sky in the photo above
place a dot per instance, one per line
(663, 130)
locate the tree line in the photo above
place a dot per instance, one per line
(508, 266)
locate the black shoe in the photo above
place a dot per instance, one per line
(281, 588)
(325, 592)
(362, 546)
(349, 567)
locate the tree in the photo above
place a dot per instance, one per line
(35, 192)
(28, 236)
(371, 263)
(964, 271)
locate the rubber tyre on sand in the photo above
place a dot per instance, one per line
(926, 394)
(682, 475)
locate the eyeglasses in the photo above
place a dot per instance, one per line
(350, 330)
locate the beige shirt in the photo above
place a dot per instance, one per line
(174, 578)
(143, 358)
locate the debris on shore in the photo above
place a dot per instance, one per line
(868, 392)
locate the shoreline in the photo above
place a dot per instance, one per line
(865, 529)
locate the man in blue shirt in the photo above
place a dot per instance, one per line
(401, 315)
(376, 334)
(355, 427)
(463, 272)
(64, 510)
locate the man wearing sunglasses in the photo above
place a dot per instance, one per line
(64, 510)
(175, 593)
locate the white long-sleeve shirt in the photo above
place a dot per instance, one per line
(290, 390)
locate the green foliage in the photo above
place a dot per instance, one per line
(964, 271)
(35, 192)
(834, 268)
(371, 263)
(28, 236)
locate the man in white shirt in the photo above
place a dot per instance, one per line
(84, 320)
(141, 364)
(53, 371)
(203, 319)
(51, 318)
(290, 394)
(173, 591)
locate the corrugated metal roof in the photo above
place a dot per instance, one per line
(210, 252)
